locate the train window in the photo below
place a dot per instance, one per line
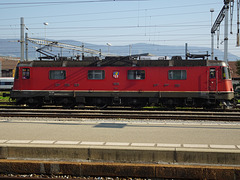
(212, 73)
(6, 83)
(96, 74)
(136, 74)
(226, 73)
(177, 74)
(26, 73)
(57, 74)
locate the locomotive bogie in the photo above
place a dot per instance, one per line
(131, 99)
(130, 83)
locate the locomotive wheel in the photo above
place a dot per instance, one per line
(67, 103)
(209, 108)
(138, 106)
(171, 107)
(102, 106)
(34, 103)
(68, 106)
(34, 106)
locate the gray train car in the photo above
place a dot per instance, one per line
(6, 83)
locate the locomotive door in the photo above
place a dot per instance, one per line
(212, 79)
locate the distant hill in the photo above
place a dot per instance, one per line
(11, 47)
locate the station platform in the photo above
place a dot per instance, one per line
(120, 152)
(119, 159)
(166, 150)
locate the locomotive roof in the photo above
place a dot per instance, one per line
(123, 61)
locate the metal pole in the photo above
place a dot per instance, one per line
(212, 36)
(82, 51)
(130, 50)
(0, 69)
(26, 46)
(212, 46)
(226, 34)
(238, 23)
(22, 38)
(45, 29)
(100, 53)
(186, 51)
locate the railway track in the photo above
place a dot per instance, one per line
(118, 171)
(121, 114)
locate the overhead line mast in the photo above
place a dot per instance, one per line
(224, 13)
(238, 23)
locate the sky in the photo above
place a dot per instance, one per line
(118, 22)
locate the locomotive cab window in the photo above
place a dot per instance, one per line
(226, 73)
(26, 73)
(57, 74)
(212, 73)
(177, 74)
(96, 74)
(136, 74)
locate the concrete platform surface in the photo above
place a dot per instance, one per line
(120, 152)
(169, 142)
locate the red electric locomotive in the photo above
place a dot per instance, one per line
(123, 81)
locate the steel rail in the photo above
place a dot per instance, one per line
(120, 171)
(11, 105)
(122, 114)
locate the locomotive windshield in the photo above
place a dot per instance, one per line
(226, 73)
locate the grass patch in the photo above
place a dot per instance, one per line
(4, 99)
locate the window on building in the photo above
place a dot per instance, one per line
(136, 74)
(96, 74)
(26, 73)
(57, 74)
(177, 74)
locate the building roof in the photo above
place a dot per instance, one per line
(9, 62)
(233, 69)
